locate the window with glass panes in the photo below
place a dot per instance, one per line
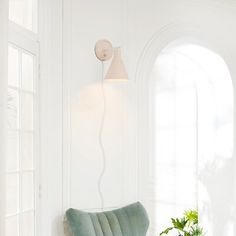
(193, 124)
(22, 148)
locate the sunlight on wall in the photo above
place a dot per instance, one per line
(86, 115)
(194, 137)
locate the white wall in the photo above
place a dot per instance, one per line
(72, 106)
(91, 21)
(210, 23)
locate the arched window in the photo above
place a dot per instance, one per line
(193, 138)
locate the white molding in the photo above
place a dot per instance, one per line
(67, 51)
(51, 85)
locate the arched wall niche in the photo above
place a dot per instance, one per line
(169, 36)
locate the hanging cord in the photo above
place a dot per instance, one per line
(101, 141)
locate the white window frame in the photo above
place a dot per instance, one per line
(28, 41)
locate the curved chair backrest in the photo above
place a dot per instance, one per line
(131, 220)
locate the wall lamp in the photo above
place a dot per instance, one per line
(104, 51)
(116, 72)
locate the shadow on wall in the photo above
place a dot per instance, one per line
(216, 199)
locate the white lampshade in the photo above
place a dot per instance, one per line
(117, 71)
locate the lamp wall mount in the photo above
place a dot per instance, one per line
(103, 50)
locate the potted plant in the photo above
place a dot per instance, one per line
(185, 226)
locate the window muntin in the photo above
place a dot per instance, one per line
(20, 171)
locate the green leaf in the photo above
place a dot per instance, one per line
(187, 225)
(191, 216)
(179, 223)
(196, 231)
(166, 231)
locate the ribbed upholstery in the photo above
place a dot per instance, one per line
(131, 220)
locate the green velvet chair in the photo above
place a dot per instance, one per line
(131, 220)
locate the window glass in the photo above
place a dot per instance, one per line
(27, 72)
(27, 151)
(193, 144)
(13, 108)
(27, 191)
(12, 226)
(27, 223)
(20, 168)
(27, 110)
(12, 198)
(13, 64)
(12, 162)
(24, 13)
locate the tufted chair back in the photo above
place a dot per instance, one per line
(131, 220)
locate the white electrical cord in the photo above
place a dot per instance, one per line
(101, 141)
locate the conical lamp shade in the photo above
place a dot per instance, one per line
(116, 71)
